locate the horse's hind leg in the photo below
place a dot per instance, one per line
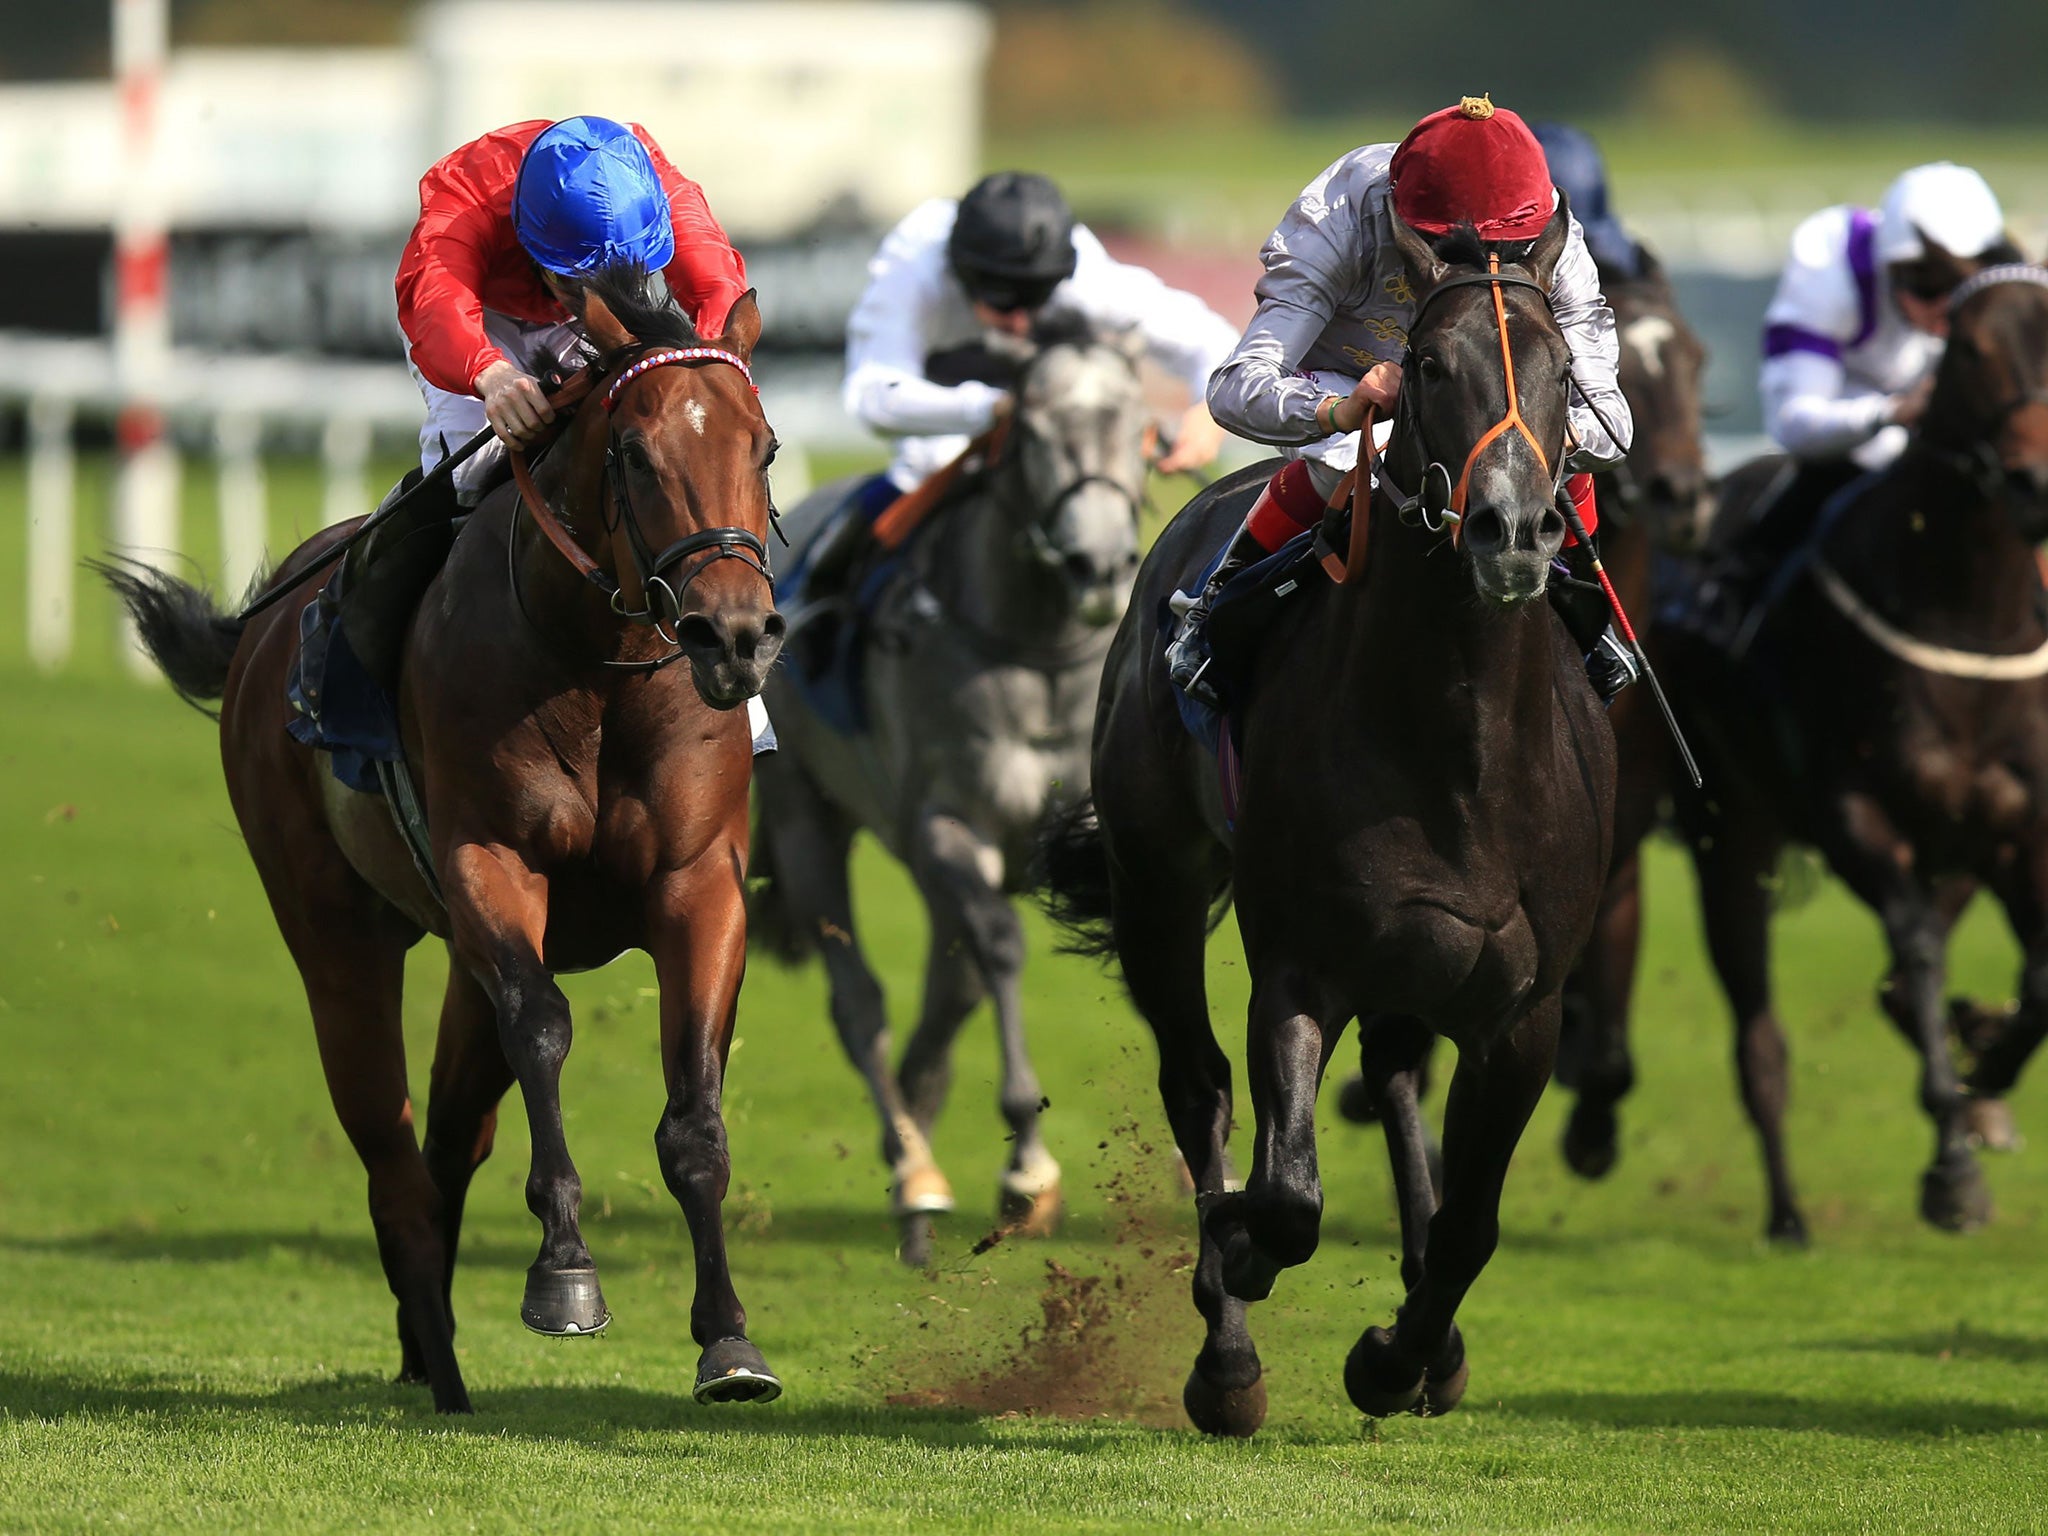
(470, 1076)
(351, 957)
(1733, 857)
(2023, 890)
(960, 875)
(498, 909)
(952, 989)
(1420, 1362)
(812, 846)
(1875, 862)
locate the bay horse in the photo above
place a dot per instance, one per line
(1423, 830)
(582, 797)
(1892, 713)
(984, 655)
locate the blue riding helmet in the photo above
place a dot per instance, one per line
(588, 197)
(1577, 170)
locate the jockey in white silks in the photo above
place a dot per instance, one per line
(1851, 340)
(1331, 330)
(1000, 259)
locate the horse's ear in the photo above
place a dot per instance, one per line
(1415, 252)
(742, 326)
(1548, 250)
(602, 326)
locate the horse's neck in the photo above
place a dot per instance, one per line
(1470, 684)
(1940, 543)
(984, 571)
(574, 622)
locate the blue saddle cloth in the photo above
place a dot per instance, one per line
(336, 705)
(1247, 604)
(827, 660)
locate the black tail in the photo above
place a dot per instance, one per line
(186, 635)
(772, 928)
(1072, 879)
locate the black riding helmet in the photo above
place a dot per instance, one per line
(1012, 241)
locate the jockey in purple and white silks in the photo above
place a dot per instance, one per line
(1861, 312)
(1851, 341)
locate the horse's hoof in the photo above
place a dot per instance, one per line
(1029, 1215)
(1787, 1229)
(1590, 1144)
(914, 1240)
(1234, 1411)
(1954, 1196)
(1443, 1384)
(454, 1400)
(733, 1371)
(923, 1191)
(1989, 1124)
(563, 1303)
(1354, 1102)
(1376, 1378)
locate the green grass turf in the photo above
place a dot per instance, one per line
(195, 1332)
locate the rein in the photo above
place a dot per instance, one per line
(661, 606)
(1980, 666)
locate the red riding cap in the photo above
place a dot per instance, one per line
(1477, 164)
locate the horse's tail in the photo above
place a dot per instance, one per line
(184, 633)
(1073, 878)
(772, 926)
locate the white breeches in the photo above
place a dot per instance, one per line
(453, 419)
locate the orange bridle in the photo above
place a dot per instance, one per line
(1513, 420)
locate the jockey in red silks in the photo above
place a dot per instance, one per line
(487, 287)
(1331, 332)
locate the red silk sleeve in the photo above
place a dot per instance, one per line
(440, 277)
(705, 273)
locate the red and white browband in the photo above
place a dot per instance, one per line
(670, 355)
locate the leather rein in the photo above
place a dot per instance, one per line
(661, 606)
(1438, 502)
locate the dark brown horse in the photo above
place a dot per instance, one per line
(1892, 713)
(1423, 834)
(1656, 500)
(583, 798)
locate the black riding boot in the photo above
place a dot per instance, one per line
(1187, 654)
(1610, 664)
(389, 571)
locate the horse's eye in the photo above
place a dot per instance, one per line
(774, 447)
(634, 455)
(1429, 366)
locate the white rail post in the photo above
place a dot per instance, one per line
(51, 542)
(146, 491)
(244, 525)
(345, 449)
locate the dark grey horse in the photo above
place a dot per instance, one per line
(981, 667)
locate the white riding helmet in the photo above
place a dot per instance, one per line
(1948, 204)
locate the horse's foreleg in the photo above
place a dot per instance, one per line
(698, 929)
(1160, 928)
(959, 871)
(1392, 1051)
(1597, 1026)
(1733, 861)
(1420, 1362)
(497, 907)
(470, 1076)
(1870, 855)
(1274, 1224)
(2023, 890)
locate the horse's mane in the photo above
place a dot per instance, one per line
(641, 302)
(1463, 246)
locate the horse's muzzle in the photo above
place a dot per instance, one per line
(730, 652)
(1511, 554)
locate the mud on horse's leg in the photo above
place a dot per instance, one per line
(698, 928)
(498, 910)
(1420, 1363)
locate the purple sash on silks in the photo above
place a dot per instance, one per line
(1862, 256)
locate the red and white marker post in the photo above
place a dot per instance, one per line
(146, 489)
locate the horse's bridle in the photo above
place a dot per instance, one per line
(1981, 463)
(1033, 535)
(661, 599)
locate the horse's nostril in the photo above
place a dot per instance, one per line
(1550, 526)
(774, 627)
(1485, 531)
(1080, 570)
(698, 632)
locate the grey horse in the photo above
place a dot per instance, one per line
(981, 663)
